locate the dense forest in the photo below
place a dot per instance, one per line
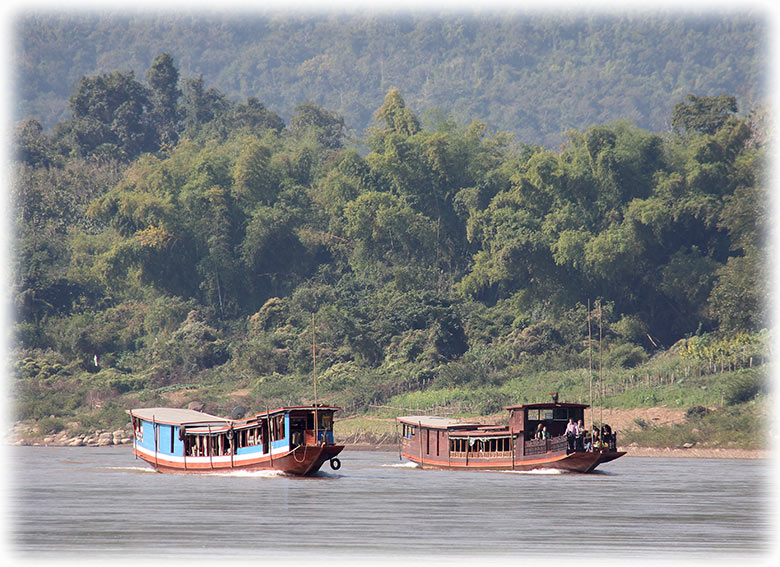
(534, 74)
(171, 238)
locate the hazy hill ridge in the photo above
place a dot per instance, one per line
(533, 74)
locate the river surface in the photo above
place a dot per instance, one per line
(74, 503)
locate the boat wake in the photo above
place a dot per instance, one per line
(250, 474)
(132, 469)
(406, 465)
(543, 472)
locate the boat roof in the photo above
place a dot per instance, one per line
(178, 416)
(436, 422)
(547, 405)
(309, 408)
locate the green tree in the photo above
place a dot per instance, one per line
(200, 105)
(163, 79)
(110, 117)
(703, 114)
(395, 116)
(254, 178)
(32, 145)
(384, 229)
(327, 127)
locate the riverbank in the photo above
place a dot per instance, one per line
(109, 438)
(373, 433)
(694, 452)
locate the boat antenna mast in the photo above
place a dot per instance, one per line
(314, 359)
(601, 371)
(590, 365)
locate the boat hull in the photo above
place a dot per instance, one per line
(581, 461)
(608, 456)
(302, 461)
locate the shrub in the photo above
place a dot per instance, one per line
(625, 356)
(50, 425)
(744, 386)
(696, 412)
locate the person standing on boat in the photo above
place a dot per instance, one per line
(538, 434)
(571, 434)
(580, 436)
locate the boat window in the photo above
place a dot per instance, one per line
(458, 445)
(277, 428)
(326, 421)
(561, 414)
(533, 414)
(250, 437)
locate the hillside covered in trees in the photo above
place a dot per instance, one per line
(535, 74)
(172, 239)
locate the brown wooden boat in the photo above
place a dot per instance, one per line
(445, 443)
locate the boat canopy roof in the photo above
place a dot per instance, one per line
(178, 416)
(548, 405)
(436, 422)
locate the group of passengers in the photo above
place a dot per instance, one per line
(578, 438)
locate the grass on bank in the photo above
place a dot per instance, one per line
(743, 426)
(736, 400)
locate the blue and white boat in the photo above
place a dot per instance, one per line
(295, 440)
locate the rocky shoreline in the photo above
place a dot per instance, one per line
(26, 436)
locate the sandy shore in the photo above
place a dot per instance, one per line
(703, 453)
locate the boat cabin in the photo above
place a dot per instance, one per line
(525, 419)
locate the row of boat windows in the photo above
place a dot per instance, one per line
(554, 414)
(460, 445)
(199, 445)
(497, 445)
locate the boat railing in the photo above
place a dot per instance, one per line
(542, 446)
(481, 454)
